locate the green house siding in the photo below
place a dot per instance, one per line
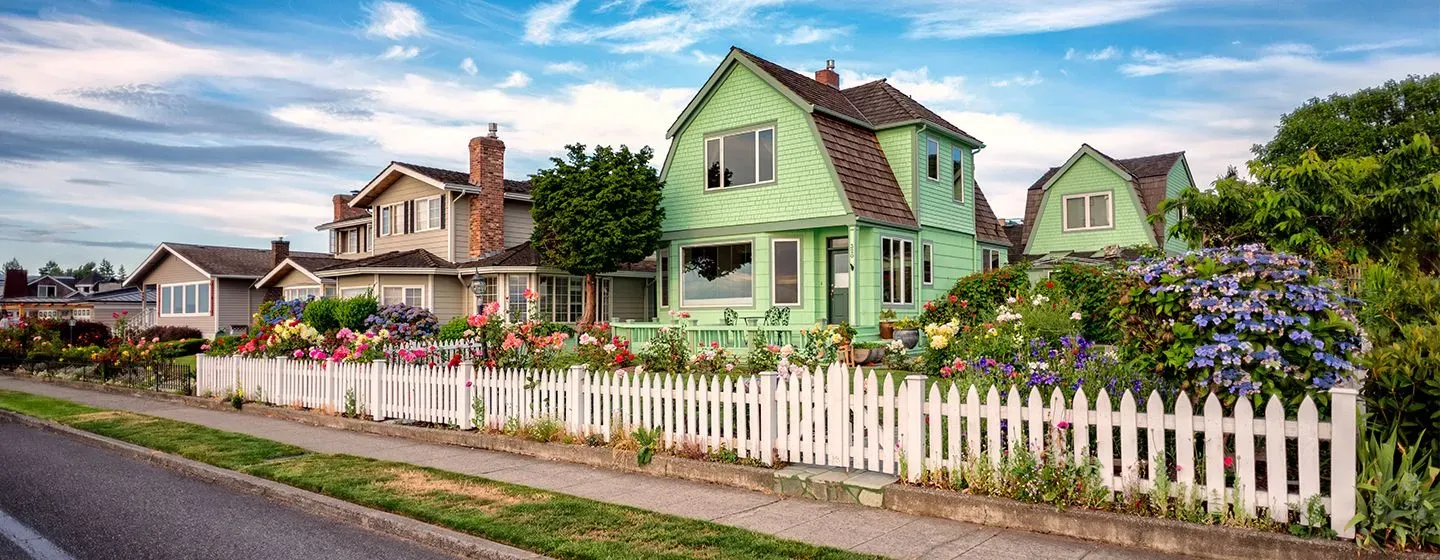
(812, 276)
(1175, 182)
(938, 208)
(803, 186)
(1089, 175)
(956, 256)
(899, 147)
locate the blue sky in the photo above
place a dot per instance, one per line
(127, 124)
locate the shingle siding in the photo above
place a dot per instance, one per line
(1088, 175)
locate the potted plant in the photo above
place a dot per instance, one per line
(867, 353)
(907, 331)
(887, 324)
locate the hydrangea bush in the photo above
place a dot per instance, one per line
(1239, 321)
(404, 322)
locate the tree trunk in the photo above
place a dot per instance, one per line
(587, 316)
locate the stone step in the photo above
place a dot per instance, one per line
(833, 484)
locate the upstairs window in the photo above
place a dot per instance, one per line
(932, 159)
(45, 291)
(957, 168)
(427, 214)
(1088, 211)
(746, 158)
(386, 220)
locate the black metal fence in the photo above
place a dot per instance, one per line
(170, 377)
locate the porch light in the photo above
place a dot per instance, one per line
(477, 285)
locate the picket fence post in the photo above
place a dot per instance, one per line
(575, 399)
(913, 430)
(769, 426)
(1344, 427)
(377, 368)
(467, 395)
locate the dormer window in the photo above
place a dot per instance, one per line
(746, 158)
(46, 291)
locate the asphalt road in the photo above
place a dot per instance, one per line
(92, 503)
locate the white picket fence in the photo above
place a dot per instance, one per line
(859, 420)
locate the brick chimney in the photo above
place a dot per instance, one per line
(487, 209)
(341, 202)
(17, 283)
(828, 75)
(279, 251)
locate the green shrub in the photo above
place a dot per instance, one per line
(1096, 290)
(455, 328)
(1402, 388)
(976, 296)
(1398, 504)
(351, 313)
(84, 333)
(170, 333)
(320, 314)
(1395, 299)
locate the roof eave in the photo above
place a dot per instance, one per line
(942, 129)
(379, 270)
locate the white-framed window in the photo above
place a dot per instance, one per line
(392, 219)
(83, 313)
(1088, 211)
(385, 220)
(957, 168)
(427, 214)
(302, 292)
(413, 296)
(932, 158)
(739, 159)
(490, 293)
(190, 299)
(897, 271)
(48, 313)
(45, 291)
(348, 293)
(927, 263)
(515, 285)
(785, 272)
(717, 275)
(989, 259)
(351, 240)
(562, 299)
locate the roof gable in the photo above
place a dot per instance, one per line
(213, 260)
(303, 265)
(443, 179)
(1146, 175)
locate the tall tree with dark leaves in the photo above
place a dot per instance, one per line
(596, 211)
(1369, 122)
(13, 264)
(52, 268)
(105, 269)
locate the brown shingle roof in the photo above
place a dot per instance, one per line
(811, 91)
(1150, 172)
(864, 173)
(414, 258)
(231, 261)
(987, 226)
(313, 264)
(462, 177)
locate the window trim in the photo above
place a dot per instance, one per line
(986, 258)
(927, 263)
(799, 272)
(720, 137)
(957, 182)
(362, 291)
(426, 213)
(931, 141)
(285, 291)
(387, 220)
(41, 289)
(719, 303)
(161, 305)
(1065, 215)
(907, 280)
(403, 288)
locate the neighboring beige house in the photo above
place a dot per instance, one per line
(208, 287)
(420, 235)
(92, 298)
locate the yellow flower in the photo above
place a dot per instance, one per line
(939, 342)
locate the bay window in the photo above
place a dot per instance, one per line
(185, 299)
(562, 298)
(896, 271)
(302, 292)
(717, 275)
(1088, 211)
(411, 296)
(517, 284)
(739, 159)
(785, 272)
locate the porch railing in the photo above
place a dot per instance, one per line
(735, 338)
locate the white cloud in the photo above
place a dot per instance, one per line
(395, 20)
(569, 67)
(1106, 53)
(705, 58)
(1381, 46)
(805, 34)
(399, 52)
(1019, 81)
(516, 79)
(662, 31)
(1298, 49)
(918, 84)
(946, 19)
(468, 65)
(1070, 53)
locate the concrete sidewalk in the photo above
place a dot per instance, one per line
(857, 528)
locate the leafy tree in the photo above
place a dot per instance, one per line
(105, 269)
(52, 268)
(81, 271)
(594, 212)
(1340, 210)
(121, 273)
(1369, 122)
(14, 264)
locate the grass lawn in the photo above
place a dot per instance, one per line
(553, 524)
(186, 360)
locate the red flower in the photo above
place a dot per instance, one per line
(1049, 284)
(953, 299)
(455, 360)
(1229, 462)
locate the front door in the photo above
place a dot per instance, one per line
(838, 279)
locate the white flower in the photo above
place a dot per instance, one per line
(1010, 299)
(1075, 316)
(609, 347)
(1039, 299)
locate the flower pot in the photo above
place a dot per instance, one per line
(908, 337)
(887, 329)
(859, 355)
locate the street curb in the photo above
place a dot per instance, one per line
(738, 476)
(424, 534)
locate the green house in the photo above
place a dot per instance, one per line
(1095, 207)
(783, 191)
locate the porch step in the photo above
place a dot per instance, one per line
(833, 484)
